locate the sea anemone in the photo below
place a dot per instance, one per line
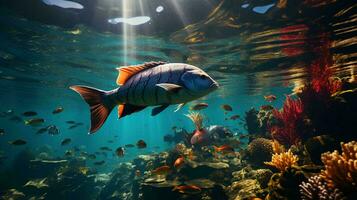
(197, 119)
(341, 170)
(290, 120)
(283, 161)
(315, 188)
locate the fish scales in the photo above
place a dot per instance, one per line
(141, 89)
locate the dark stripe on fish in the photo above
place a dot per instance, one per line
(156, 88)
(145, 85)
(136, 88)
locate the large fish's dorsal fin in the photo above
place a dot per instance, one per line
(127, 71)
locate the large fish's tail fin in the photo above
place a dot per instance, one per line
(99, 103)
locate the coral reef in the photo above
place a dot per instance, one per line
(283, 161)
(259, 151)
(315, 188)
(341, 169)
(285, 185)
(290, 128)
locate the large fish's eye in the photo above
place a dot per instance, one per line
(202, 76)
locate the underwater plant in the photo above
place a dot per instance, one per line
(315, 188)
(290, 119)
(283, 161)
(196, 118)
(341, 169)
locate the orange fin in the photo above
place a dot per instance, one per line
(126, 72)
(99, 109)
(127, 109)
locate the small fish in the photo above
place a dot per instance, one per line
(2, 132)
(224, 149)
(53, 130)
(58, 110)
(199, 106)
(187, 189)
(42, 130)
(83, 170)
(92, 156)
(83, 153)
(110, 141)
(137, 173)
(234, 117)
(179, 162)
(227, 107)
(70, 122)
(270, 98)
(163, 170)
(105, 149)
(68, 153)
(129, 145)
(18, 142)
(266, 107)
(99, 162)
(29, 113)
(177, 83)
(16, 119)
(66, 141)
(141, 144)
(73, 126)
(34, 121)
(120, 151)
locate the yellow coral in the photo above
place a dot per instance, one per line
(197, 119)
(341, 170)
(283, 161)
(277, 147)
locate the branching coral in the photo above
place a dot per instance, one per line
(196, 118)
(283, 161)
(277, 147)
(315, 188)
(290, 120)
(341, 170)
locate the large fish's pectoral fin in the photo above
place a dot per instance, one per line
(180, 106)
(127, 71)
(155, 111)
(127, 109)
(169, 87)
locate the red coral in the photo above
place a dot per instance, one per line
(290, 119)
(322, 82)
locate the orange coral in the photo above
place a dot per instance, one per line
(283, 161)
(277, 147)
(341, 170)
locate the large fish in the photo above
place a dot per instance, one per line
(150, 84)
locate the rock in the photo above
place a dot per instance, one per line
(202, 183)
(122, 184)
(244, 190)
(12, 194)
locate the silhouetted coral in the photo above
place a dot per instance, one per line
(315, 188)
(283, 161)
(341, 170)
